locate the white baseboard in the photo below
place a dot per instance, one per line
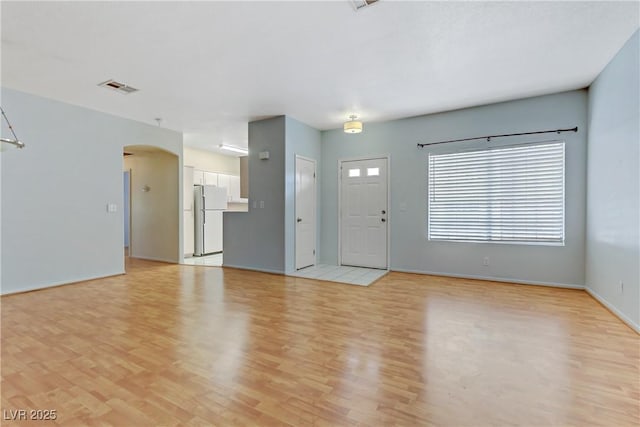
(58, 283)
(158, 259)
(491, 279)
(261, 270)
(614, 310)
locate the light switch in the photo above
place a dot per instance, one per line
(261, 204)
(403, 207)
(112, 207)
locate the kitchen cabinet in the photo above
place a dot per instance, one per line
(244, 177)
(198, 177)
(211, 178)
(234, 188)
(223, 181)
(232, 183)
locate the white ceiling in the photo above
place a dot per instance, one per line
(207, 68)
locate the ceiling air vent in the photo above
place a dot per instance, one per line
(359, 4)
(118, 87)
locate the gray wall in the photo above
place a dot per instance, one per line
(301, 140)
(613, 205)
(410, 249)
(255, 239)
(55, 225)
(264, 238)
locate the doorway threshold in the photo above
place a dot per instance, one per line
(360, 276)
(214, 260)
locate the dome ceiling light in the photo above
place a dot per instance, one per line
(353, 125)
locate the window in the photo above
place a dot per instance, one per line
(373, 171)
(513, 194)
(354, 173)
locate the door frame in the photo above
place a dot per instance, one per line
(386, 157)
(315, 211)
(130, 172)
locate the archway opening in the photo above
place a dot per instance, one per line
(151, 203)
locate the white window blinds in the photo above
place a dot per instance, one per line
(513, 194)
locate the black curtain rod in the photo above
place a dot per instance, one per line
(488, 137)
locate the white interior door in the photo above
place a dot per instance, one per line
(364, 213)
(305, 212)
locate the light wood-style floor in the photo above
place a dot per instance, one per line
(169, 345)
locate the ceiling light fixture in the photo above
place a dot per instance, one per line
(353, 125)
(15, 141)
(234, 149)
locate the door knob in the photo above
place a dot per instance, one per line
(299, 220)
(384, 212)
(383, 220)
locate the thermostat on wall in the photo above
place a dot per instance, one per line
(263, 155)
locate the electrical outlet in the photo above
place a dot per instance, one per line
(621, 287)
(485, 261)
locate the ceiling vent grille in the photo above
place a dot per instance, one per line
(118, 87)
(359, 4)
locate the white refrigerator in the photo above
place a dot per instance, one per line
(210, 201)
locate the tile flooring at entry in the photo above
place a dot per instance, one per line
(214, 260)
(333, 273)
(341, 273)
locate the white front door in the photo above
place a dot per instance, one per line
(363, 216)
(305, 212)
